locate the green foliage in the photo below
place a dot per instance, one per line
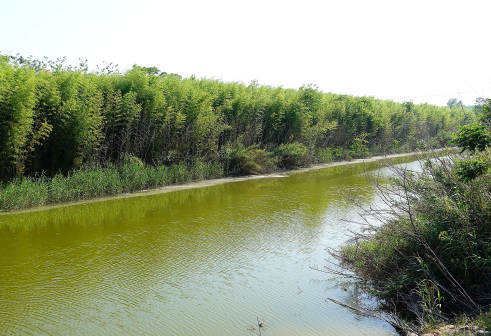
(437, 227)
(476, 136)
(327, 155)
(24, 192)
(324, 155)
(473, 137)
(430, 301)
(132, 160)
(57, 118)
(484, 320)
(17, 100)
(96, 181)
(241, 160)
(483, 108)
(359, 148)
(468, 170)
(290, 155)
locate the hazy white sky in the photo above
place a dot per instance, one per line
(427, 51)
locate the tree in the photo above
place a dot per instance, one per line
(476, 136)
(454, 102)
(486, 111)
(473, 137)
(148, 70)
(451, 102)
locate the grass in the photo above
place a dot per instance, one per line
(97, 181)
(464, 325)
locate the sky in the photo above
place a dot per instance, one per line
(425, 51)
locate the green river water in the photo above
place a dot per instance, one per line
(202, 261)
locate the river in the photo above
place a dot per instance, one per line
(215, 260)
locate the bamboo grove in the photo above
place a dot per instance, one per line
(56, 118)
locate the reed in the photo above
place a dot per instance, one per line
(92, 181)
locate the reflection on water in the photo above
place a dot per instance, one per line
(205, 261)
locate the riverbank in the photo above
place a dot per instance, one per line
(456, 330)
(41, 187)
(428, 253)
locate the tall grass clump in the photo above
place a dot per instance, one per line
(96, 181)
(291, 155)
(241, 160)
(85, 183)
(24, 192)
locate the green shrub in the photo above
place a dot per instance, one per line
(290, 155)
(324, 155)
(241, 160)
(327, 155)
(24, 192)
(473, 137)
(470, 169)
(359, 148)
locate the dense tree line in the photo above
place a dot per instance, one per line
(56, 118)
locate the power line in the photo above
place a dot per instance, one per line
(436, 95)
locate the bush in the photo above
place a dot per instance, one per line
(24, 192)
(435, 232)
(359, 148)
(290, 155)
(431, 248)
(327, 155)
(241, 160)
(470, 169)
(473, 137)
